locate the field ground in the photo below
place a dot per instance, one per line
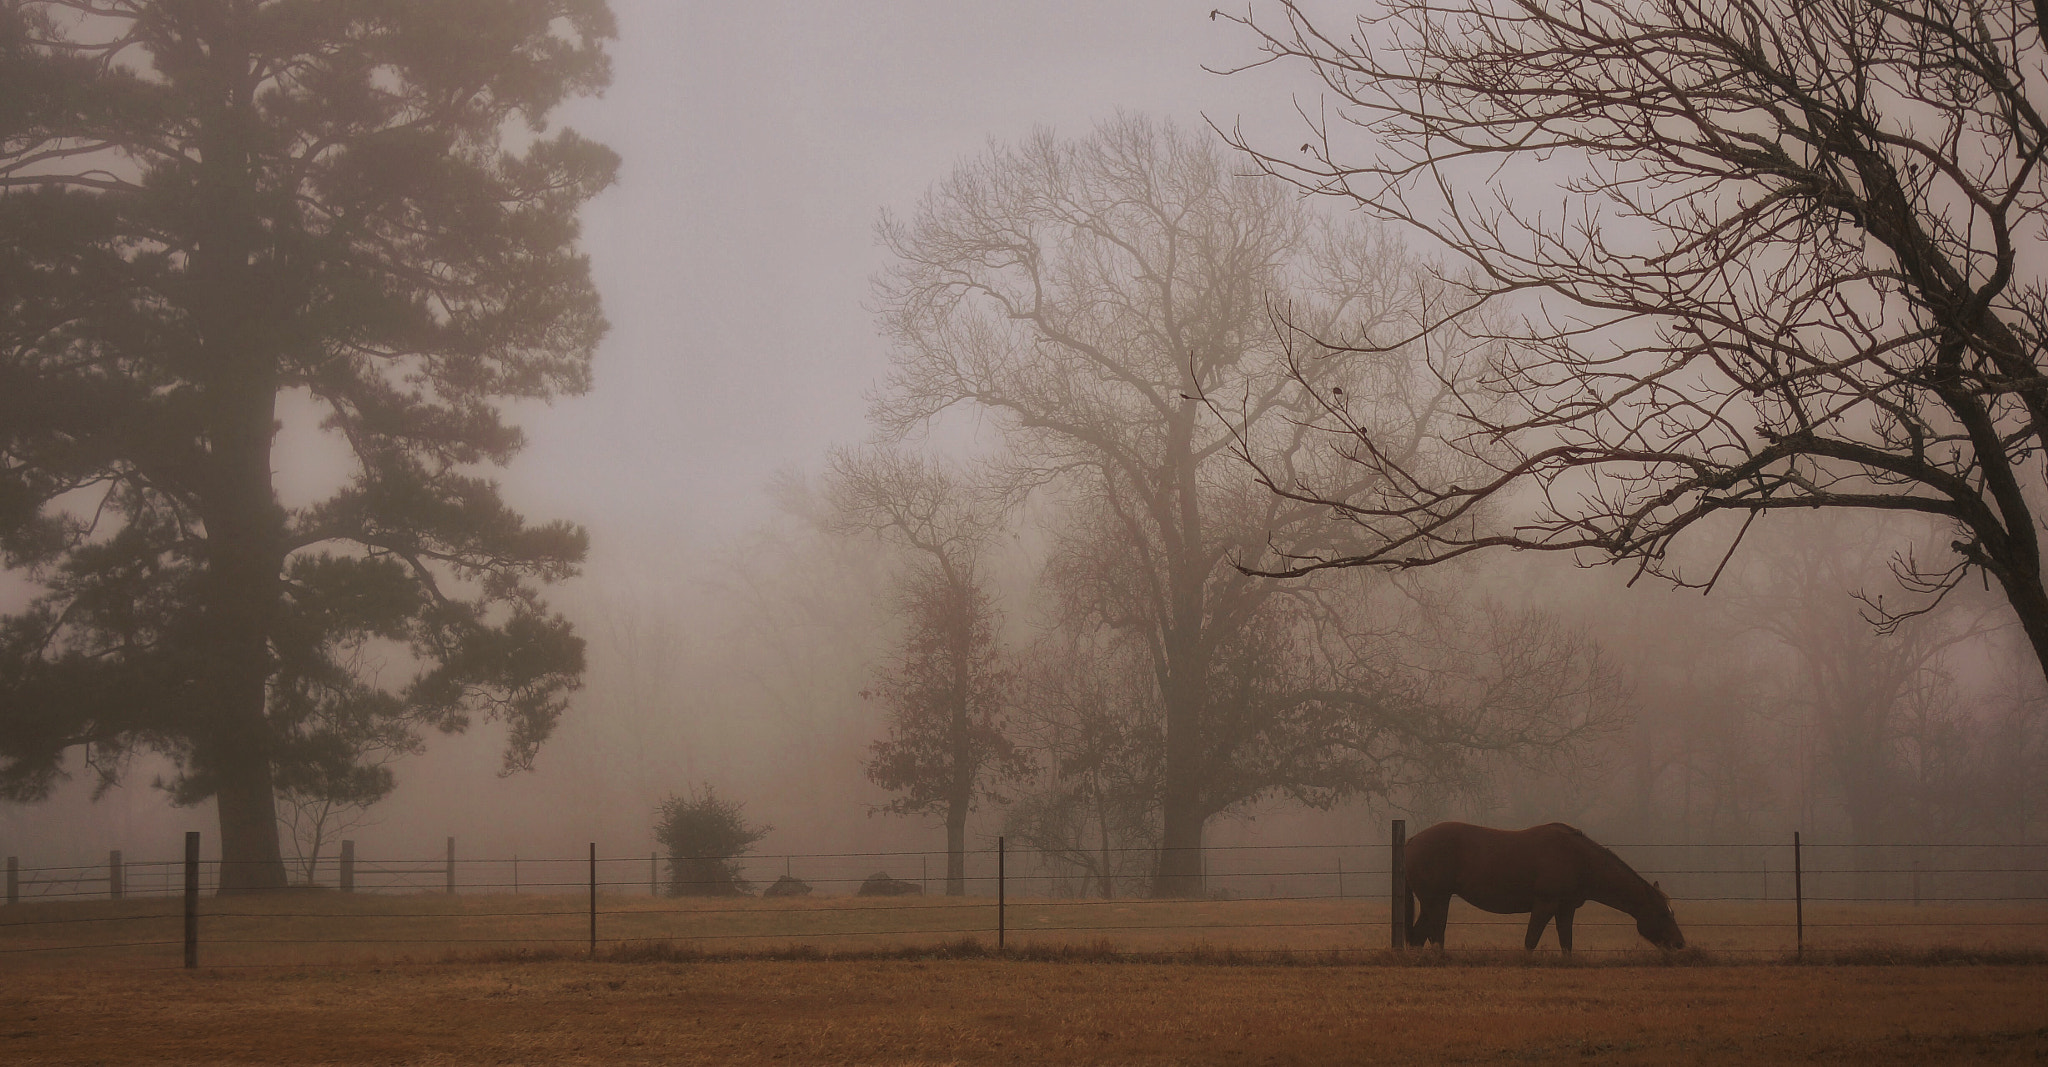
(313, 977)
(988, 1011)
(311, 927)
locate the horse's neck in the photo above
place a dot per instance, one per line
(1619, 887)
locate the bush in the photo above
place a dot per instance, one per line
(704, 837)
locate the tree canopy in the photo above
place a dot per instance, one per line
(212, 210)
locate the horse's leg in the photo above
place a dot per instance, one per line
(1539, 917)
(1564, 927)
(1436, 913)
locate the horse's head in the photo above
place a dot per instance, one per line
(1657, 925)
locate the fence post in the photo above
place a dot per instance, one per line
(593, 900)
(451, 866)
(654, 874)
(13, 879)
(1002, 891)
(348, 866)
(115, 887)
(1398, 883)
(191, 899)
(515, 874)
(1798, 898)
(1340, 878)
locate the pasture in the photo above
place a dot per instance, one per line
(988, 1011)
(326, 977)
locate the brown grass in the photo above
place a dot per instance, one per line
(321, 977)
(967, 1010)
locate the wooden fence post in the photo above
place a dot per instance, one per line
(1398, 883)
(114, 883)
(191, 898)
(13, 879)
(451, 866)
(348, 866)
(1002, 891)
(1798, 898)
(654, 874)
(593, 900)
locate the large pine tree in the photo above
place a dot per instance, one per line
(210, 205)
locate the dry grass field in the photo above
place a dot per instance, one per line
(1010, 1011)
(327, 978)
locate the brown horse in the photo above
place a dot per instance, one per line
(1547, 871)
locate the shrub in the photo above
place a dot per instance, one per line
(704, 837)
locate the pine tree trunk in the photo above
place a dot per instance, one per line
(244, 525)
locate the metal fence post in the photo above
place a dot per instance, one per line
(1398, 883)
(191, 898)
(1798, 898)
(115, 886)
(593, 899)
(653, 874)
(13, 879)
(1002, 891)
(348, 866)
(451, 866)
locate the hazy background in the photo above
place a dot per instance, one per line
(760, 141)
(728, 642)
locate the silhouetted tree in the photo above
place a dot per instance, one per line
(704, 837)
(212, 208)
(1787, 265)
(1110, 303)
(1087, 294)
(1086, 710)
(948, 686)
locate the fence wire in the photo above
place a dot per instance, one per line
(1733, 899)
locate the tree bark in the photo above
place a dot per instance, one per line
(956, 850)
(243, 522)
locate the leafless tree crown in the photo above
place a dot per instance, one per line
(1759, 254)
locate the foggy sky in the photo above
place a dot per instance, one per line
(760, 141)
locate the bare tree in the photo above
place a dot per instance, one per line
(1790, 263)
(948, 687)
(1088, 711)
(1089, 294)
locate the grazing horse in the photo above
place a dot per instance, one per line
(1547, 871)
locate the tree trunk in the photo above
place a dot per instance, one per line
(250, 859)
(1179, 873)
(238, 502)
(1186, 669)
(956, 849)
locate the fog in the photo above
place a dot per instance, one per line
(731, 636)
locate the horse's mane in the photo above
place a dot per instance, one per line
(1616, 860)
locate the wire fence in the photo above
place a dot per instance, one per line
(1755, 900)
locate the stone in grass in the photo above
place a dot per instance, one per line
(786, 886)
(879, 884)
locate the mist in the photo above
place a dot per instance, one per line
(732, 633)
